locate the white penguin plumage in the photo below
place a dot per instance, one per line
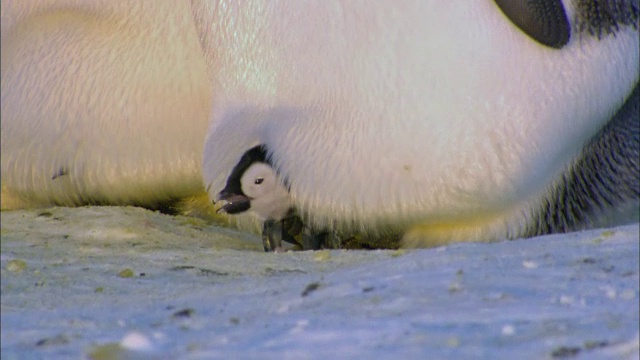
(439, 120)
(103, 102)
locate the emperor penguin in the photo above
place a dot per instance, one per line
(435, 121)
(103, 102)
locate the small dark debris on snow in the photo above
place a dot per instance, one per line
(272, 271)
(588, 260)
(52, 341)
(310, 288)
(199, 271)
(184, 313)
(563, 352)
(588, 345)
(608, 269)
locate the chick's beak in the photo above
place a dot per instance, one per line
(233, 203)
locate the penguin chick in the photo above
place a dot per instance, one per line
(253, 185)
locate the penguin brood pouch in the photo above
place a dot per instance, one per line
(444, 122)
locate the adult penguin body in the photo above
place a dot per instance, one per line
(444, 121)
(103, 102)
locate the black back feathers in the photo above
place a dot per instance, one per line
(546, 21)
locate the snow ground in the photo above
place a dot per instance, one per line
(123, 282)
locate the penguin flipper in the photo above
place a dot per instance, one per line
(545, 21)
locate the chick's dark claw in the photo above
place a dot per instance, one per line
(288, 230)
(272, 236)
(293, 231)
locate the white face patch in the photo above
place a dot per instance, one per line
(269, 197)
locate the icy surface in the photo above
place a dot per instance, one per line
(121, 282)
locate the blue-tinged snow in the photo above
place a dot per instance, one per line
(199, 291)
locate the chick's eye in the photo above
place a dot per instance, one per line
(258, 181)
